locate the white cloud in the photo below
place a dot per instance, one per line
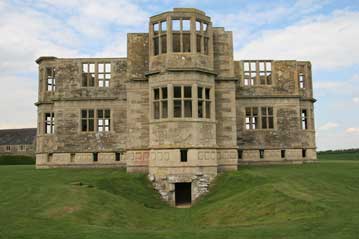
(329, 126)
(356, 100)
(44, 27)
(247, 21)
(352, 130)
(328, 41)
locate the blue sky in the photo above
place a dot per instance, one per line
(326, 32)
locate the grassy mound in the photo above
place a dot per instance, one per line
(303, 201)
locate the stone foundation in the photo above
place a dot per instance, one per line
(165, 185)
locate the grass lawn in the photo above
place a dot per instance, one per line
(301, 201)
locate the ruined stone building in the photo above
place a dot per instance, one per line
(18, 141)
(178, 107)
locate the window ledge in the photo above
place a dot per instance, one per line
(183, 120)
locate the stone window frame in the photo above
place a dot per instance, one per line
(304, 118)
(251, 118)
(183, 99)
(261, 153)
(257, 72)
(160, 102)
(159, 38)
(8, 148)
(183, 155)
(254, 117)
(104, 74)
(181, 32)
(49, 123)
(267, 117)
(202, 37)
(96, 121)
(91, 76)
(301, 80)
(104, 121)
(304, 153)
(88, 119)
(207, 102)
(50, 77)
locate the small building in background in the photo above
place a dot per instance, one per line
(18, 141)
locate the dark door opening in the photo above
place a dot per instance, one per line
(183, 193)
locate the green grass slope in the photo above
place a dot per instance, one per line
(304, 201)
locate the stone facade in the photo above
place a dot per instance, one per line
(178, 107)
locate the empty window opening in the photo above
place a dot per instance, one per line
(205, 45)
(156, 39)
(176, 25)
(208, 102)
(103, 120)
(50, 78)
(188, 101)
(205, 27)
(72, 157)
(177, 101)
(186, 25)
(282, 153)
(202, 38)
(304, 153)
(160, 38)
(183, 193)
(199, 43)
(261, 153)
(267, 117)
(8, 148)
(265, 72)
(251, 118)
(304, 117)
(156, 103)
(254, 70)
(49, 123)
(155, 28)
(301, 81)
(163, 26)
(176, 38)
(163, 44)
(95, 157)
(88, 75)
(49, 157)
(181, 36)
(250, 73)
(87, 120)
(186, 42)
(22, 148)
(184, 153)
(118, 157)
(104, 74)
(204, 102)
(240, 154)
(164, 102)
(156, 46)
